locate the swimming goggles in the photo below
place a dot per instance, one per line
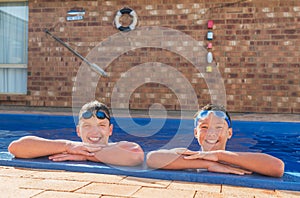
(99, 114)
(204, 114)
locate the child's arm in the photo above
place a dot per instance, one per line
(32, 147)
(257, 162)
(170, 159)
(121, 153)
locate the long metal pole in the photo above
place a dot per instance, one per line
(95, 67)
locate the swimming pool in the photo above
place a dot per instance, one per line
(280, 139)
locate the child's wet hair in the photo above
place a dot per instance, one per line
(92, 106)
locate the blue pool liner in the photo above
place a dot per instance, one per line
(289, 181)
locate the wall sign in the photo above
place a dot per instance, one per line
(75, 14)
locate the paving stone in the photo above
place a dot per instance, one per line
(15, 172)
(12, 183)
(146, 192)
(9, 187)
(145, 182)
(195, 186)
(206, 194)
(13, 193)
(50, 184)
(288, 194)
(51, 194)
(109, 189)
(79, 176)
(107, 196)
(235, 191)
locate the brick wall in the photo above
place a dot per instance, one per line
(255, 47)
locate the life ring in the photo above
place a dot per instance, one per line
(133, 22)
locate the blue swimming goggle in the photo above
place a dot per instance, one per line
(99, 114)
(205, 113)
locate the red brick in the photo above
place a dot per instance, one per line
(262, 43)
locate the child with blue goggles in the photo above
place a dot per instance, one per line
(212, 134)
(205, 113)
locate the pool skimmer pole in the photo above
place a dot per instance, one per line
(93, 66)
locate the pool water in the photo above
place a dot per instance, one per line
(280, 139)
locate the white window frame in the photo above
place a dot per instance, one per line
(13, 65)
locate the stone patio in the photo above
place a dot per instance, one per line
(16, 182)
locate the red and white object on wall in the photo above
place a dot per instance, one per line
(210, 57)
(210, 24)
(210, 35)
(209, 45)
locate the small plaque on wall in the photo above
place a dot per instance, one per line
(75, 14)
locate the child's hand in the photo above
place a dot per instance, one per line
(184, 151)
(190, 155)
(222, 168)
(79, 148)
(67, 157)
(208, 155)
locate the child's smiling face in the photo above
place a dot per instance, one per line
(94, 130)
(212, 133)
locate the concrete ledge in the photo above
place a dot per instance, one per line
(284, 117)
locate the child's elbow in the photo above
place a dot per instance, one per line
(136, 153)
(15, 149)
(278, 169)
(275, 168)
(153, 160)
(138, 156)
(18, 147)
(12, 148)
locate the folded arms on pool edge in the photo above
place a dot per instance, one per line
(216, 161)
(131, 154)
(121, 153)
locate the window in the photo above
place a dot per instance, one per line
(13, 47)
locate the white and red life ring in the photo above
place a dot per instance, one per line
(133, 22)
